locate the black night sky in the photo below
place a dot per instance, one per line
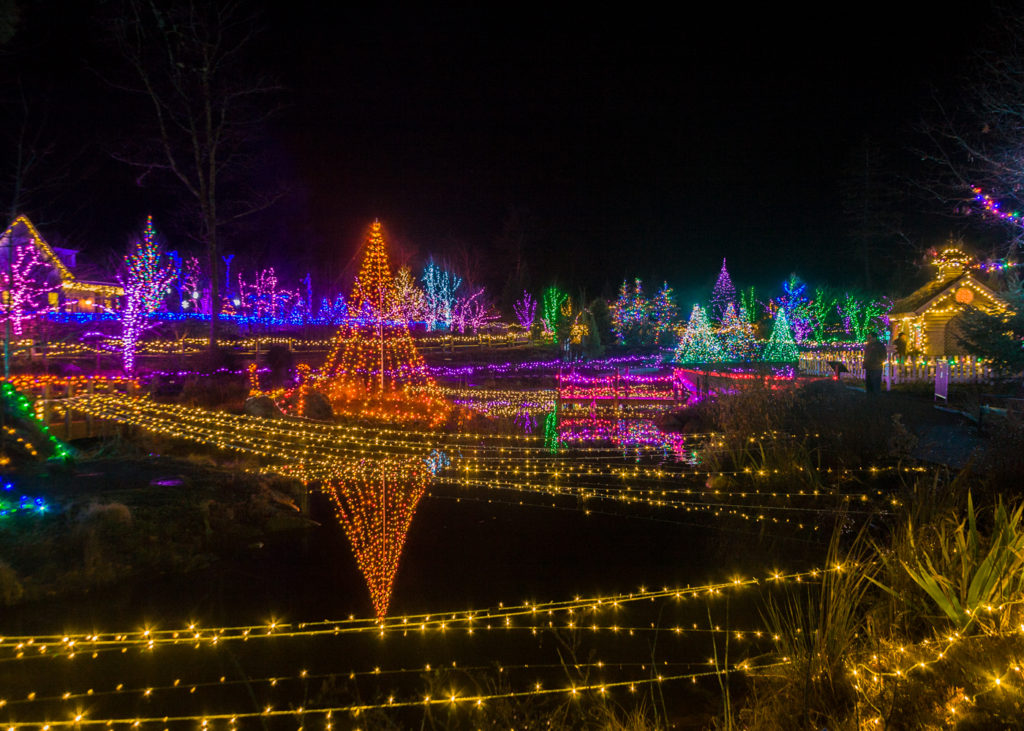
(632, 142)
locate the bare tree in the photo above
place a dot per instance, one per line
(976, 141)
(207, 107)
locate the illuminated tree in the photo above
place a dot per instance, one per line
(698, 344)
(333, 312)
(525, 310)
(861, 316)
(24, 280)
(374, 368)
(472, 313)
(781, 347)
(796, 305)
(147, 276)
(820, 309)
(723, 294)
(409, 300)
(631, 314)
(750, 308)
(440, 287)
(261, 297)
(664, 313)
(553, 300)
(737, 336)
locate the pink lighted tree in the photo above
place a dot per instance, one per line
(24, 282)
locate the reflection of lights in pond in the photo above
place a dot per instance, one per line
(23, 504)
(629, 433)
(374, 501)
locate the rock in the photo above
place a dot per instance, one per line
(262, 406)
(318, 408)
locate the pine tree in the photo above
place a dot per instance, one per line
(722, 295)
(664, 313)
(147, 274)
(780, 348)
(631, 315)
(737, 336)
(698, 344)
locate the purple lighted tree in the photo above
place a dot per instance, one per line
(525, 310)
(722, 295)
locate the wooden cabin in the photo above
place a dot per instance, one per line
(69, 293)
(931, 315)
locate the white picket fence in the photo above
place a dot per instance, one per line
(962, 368)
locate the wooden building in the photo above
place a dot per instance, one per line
(931, 315)
(68, 292)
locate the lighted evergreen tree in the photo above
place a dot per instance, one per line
(631, 314)
(723, 294)
(737, 336)
(781, 347)
(796, 304)
(374, 368)
(698, 343)
(147, 275)
(664, 313)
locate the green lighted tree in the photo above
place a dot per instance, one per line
(552, 303)
(781, 347)
(698, 344)
(737, 336)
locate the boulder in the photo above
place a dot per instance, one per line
(262, 406)
(318, 408)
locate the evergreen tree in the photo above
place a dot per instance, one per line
(664, 313)
(698, 344)
(722, 295)
(780, 348)
(737, 336)
(631, 315)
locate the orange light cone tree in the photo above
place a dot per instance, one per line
(374, 369)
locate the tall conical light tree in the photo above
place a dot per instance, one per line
(374, 360)
(698, 344)
(781, 347)
(737, 336)
(722, 295)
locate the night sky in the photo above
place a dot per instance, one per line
(610, 144)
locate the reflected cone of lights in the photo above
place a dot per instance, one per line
(375, 501)
(374, 369)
